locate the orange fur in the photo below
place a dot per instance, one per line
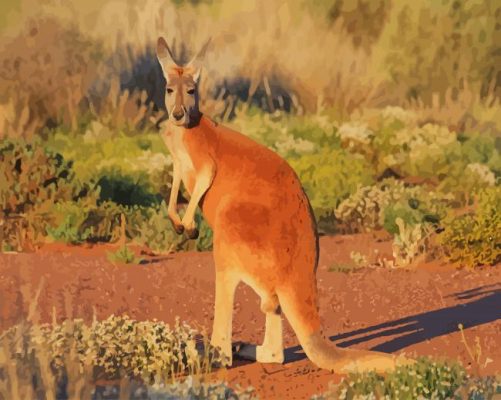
(264, 234)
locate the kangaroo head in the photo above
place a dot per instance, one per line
(181, 92)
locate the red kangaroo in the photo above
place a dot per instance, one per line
(264, 229)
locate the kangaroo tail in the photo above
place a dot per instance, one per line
(300, 307)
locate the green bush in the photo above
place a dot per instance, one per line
(32, 180)
(157, 233)
(69, 218)
(205, 235)
(464, 182)
(456, 165)
(378, 206)
(140, 158)
(423, 151)
(123, 255)
(480, 388)
(105, 221)
(329, 176)
(474, 238)
(410, 243)
(123, 190)
(71, 356)
(289, 135)
(191, 389)
(426, 379)
(481, 148)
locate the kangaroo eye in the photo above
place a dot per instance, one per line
(190, 91)
(169, 90)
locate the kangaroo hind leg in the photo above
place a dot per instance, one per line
(272, 350)
(226, 284)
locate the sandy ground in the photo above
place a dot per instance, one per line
(415, 311)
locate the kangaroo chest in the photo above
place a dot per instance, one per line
(177, 148)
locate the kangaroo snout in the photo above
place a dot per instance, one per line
(178, 115)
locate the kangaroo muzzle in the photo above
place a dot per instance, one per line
(178, 115)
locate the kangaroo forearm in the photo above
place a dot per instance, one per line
(202, 184)
(176, 181)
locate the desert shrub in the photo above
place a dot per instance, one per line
(123, 190)
(289, 135)
(124, 255)
(480, 148)
(357, 137)
(142, 158)
(128, 170)
(476, 166)
(329, 176)
(391, 139)
(362, 211)
(426, 379)
(71, 356)
(105, 221)
(378, 206)
(68, 220)
(157, 232)
(205, 235)
(403, 211)
(192, 389)
(480, 388)
(32, 180)
(409, 243)
(419, 151)
(394, 138)
(474, 238)
(464, 182)
(33, 176)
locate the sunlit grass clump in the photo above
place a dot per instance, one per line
(72, 356)
(427, 379)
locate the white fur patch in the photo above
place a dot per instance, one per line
(174, 142)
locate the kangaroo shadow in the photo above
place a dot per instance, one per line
(484, 307)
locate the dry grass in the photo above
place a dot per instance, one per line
(41, 360)
(67, 62)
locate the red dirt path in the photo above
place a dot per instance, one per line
(415, 311)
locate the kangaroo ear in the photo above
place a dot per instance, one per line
(197, 62)
(164, 56)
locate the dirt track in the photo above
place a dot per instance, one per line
(413, 311)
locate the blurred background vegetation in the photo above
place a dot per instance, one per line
(388, 110)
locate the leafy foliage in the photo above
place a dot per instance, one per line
(123, 255)
(70, 226)
(330, 176)
(426, 379)
(71, 356)
(32, 180)
(378, 206)
(409, 243)
(475, 238)
(205, 235)
(190, 389)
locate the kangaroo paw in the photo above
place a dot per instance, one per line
(192, 233)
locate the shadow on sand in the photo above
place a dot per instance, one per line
(484, 307)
